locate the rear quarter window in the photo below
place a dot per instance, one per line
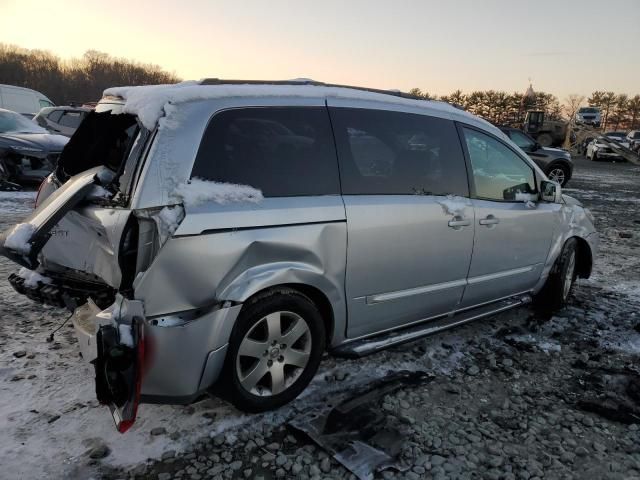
(283, 151)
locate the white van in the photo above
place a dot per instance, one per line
(23, 100)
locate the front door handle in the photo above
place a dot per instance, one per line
(489, 220)
(459, 222)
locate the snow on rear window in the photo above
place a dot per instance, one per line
(197, 191)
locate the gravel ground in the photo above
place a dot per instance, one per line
(516, 396)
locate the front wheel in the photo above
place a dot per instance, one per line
(558, 174)
(274, 350)
(556, 290)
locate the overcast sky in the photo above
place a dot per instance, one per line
(564, 46)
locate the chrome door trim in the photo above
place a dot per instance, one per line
(386, 297)
(389, 296)
(504, 273)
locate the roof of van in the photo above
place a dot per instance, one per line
(148, 101)
(24, 88)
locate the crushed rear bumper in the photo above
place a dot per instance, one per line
(184, 353)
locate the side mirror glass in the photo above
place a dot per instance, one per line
(536, 146)
(550, 192)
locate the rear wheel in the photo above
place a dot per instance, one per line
(556, 290)
(274, 350)
(558, 174)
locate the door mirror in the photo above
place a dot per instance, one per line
(536, 146)
(550, 192)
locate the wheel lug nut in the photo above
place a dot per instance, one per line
(283, 346)
(270, 362)
(281, 359)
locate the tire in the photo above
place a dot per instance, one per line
(545, 139)
(264, 380)
(559, 174)
(556, 290)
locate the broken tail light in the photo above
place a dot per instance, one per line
(119, 372)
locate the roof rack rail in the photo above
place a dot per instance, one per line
(219, 81)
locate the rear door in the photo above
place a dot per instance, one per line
(513, 230)
(409, 244)
(22, 242)
(67, 231)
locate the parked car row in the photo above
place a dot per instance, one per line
(33, 133)
(556, 163)
(28, 152)
(596, 149)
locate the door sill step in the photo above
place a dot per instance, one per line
(367, 346)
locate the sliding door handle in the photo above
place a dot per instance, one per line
(459, 222)
(489, 220)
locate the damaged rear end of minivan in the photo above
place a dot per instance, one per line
(84, 245)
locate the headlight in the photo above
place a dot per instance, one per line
(589, 215)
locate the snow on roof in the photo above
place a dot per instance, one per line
(148, 102)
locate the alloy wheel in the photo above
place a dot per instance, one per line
(557, 175)
(274, 353)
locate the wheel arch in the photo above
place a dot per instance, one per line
(313, 293)
(584, 257)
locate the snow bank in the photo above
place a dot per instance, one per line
(31, 277)
(454, 205)
(198, 191)
(18, 239)
(148, 102)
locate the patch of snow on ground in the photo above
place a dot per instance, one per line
(18, 239)
(31, 277)
(199, 191)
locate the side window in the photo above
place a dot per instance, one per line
(283, 151)
(498, 172)
(71, 119)
(45, 103)
(521, 140)
(384, 152)
(55, 116)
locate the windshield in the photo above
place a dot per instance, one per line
(588, 110)
(615, 134)
(11, 122)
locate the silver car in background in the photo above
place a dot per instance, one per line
(228, 233)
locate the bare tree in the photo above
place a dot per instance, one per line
(572, 104)
(77, 79)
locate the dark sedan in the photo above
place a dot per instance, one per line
(28, 152)
(555, 162)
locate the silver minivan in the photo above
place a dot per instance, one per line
(228, 233)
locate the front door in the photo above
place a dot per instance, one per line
(513, 230)
(409, 245)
